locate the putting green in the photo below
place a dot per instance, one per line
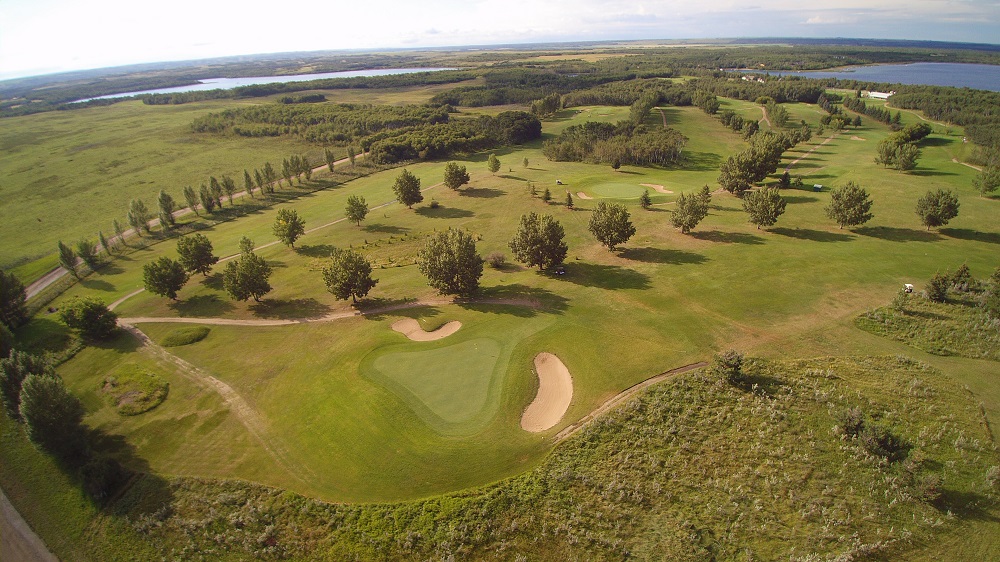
(617, 190)
(449, 386)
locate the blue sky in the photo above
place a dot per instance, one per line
(42, 36)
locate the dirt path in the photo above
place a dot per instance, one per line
(239, 407)
(800, 158)
(57, 273)
(621, 397)
(18, 542)
(663, 114)
(957, 161)
(766, 119)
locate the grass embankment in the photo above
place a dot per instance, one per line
(689, 469)
(956, 327)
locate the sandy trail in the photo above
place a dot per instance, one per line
(583, 195)
(957, 161)
(657, 187)
(412, 329)
(766, 119)
(555, 393)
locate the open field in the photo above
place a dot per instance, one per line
(349, 410)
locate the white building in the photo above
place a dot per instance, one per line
(880, 95)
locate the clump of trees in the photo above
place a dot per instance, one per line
(450, 262)
(987, 181)
(899, 149)
(90, 317)
(626, 143)
(728, 366)
(13, 312)
(875, 438)
(850, 205)
(611, 225)
(740, 171)
(936, 208)
(539, 242)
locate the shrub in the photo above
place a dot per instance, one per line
(185, 336)
(496, 260)
(729, 366)
(102, 477)
(937, 288)
(879, 441)
(852, 421)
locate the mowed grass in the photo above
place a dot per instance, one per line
(614, 318)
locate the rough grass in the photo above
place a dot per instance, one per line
(690, 470)
(186, 335)
(133, 391)
(957, 327)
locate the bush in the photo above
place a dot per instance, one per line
(102, 477)
(91, 317)
(185, 336)
(729, 366)
(881, 442)
(496, 260)
(852, 421)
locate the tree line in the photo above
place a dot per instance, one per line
(626, 142)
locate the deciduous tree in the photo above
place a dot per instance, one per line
(357, 209)
(688, 212)
(455, 176)
(849, 205)
(215, 189)
(611, 225)
(138, 216)
(330, 159)
(164, 277)
(247, 183)
(90, 316)
(52, 416)
(270, 176)
(13, 313)
(195, 251)
(987, 181)
(167, 207)
(288, 226)
(407, 189)
(450, 263)
(644, 201)
(228, 187)
(349, 275)
(539, 242)
(87, 252)
(13, 370)
(67, 259)
(247, 276)
(191, 198)
(569, 200)
(936, 208)
(207, 200)
(764, 206)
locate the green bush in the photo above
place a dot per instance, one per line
(937, 288)
(729, 366)
(185, 336)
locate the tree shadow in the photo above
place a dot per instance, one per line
(110, 268)
(119, 481)
(516, 299)
(289, 309)
(610, 277)
(728, 237)
(930, 172)
(201, 305)
(385, 228)
(316, 250)
(662, 255)
(97, 284)
(894, 234)
(442, 212)
(511, 177)
(379, 308)
(935, 141)
(968, 505)
(814, 235)
(702, 161)
(975, 235)
(213, 281)
(795, 199)
(122, 342)
(482, 192)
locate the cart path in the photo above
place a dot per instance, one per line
(766, 119)
(18, 541)
(58, 272)
(621, 397)
(957, 161)
(797, 160)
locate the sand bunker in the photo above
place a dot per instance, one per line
(583, 195)
(412, 329)
(657, 187)
(555, 392)
(857, 138)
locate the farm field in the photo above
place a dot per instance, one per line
(338, 407)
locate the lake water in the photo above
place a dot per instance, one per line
(229, 83)
(959, 75)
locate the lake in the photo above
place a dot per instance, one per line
(959, 75)
(229, 83)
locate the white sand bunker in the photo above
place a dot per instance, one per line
(657, 187)
(583, 195)
(555, 392)
(857, 138)
(413, 330)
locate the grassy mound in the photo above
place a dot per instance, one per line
(133, 391)
(957, 327)
(690, 470)
(185, 336)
